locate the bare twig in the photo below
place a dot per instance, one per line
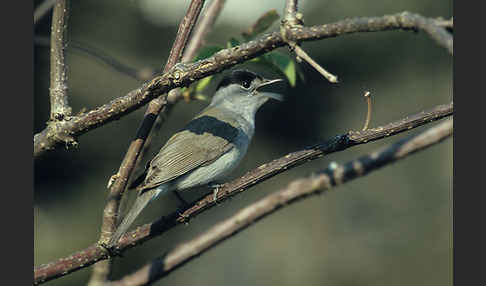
(447, 24)
(432, 28)
(58, 90)
(142, 74)
(184, 74)
(295, 191)
(42, 9)
(204, 26)
(143, 233)
(293, 19)
(110, 213)
(303, 55)
(367, 95)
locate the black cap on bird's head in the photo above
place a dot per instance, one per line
(249, 82)
(241, 77)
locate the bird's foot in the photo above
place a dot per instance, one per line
(216, 187)
(112, 250)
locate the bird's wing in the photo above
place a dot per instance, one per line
(201, 142)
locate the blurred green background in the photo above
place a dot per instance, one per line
(392, 227)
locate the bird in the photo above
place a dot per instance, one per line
(208, 148)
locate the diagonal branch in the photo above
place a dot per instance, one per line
(295, 191)
(185, 74)
(143, 233)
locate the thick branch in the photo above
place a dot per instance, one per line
(58, 90)
(295, 191)
(95, 253)
(185, 74)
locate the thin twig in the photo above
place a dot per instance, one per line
(367, 95)
(101, 271)
(303, 55)
(58, 87)
(295, 191)
(185, 74)
(447, 24)
(145, 232)
(292, 19)
(142, 74)
(42, 9)
(203, 27)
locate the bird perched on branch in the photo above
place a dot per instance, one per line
(209, 147)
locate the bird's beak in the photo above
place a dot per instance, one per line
(266, 82)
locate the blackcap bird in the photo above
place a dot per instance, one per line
(209, 147)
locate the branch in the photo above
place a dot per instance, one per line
(185, 74)
(142, 74)
(58, 90)
(292, 19)
(202, 29)
(42, 9)
(143, 233)
(295, 191)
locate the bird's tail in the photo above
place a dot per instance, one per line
(140, 203)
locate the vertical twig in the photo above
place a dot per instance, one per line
(290, 12)
(58, 89)
(367, 95)
(101, 271)
(42, 9)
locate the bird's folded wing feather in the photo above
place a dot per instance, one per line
(187, 150)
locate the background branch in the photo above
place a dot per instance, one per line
(184, 74)
(143, 233)
(295, 191)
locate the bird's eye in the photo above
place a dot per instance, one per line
(246, 84)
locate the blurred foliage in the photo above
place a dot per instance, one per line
(391, 227)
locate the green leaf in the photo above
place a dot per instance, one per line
(261, 25)
(284, 65)
(207, 51)
(203, 83)
(233, 43)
